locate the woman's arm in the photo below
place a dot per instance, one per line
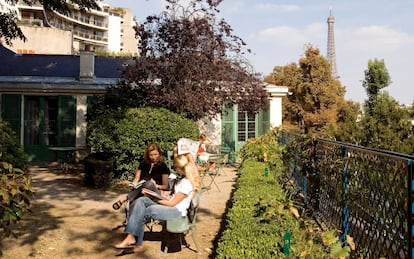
(164, 185)
(179, 196)
(137, 176)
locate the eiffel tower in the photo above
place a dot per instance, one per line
(331, 46)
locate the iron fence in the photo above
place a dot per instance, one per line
(365, 193)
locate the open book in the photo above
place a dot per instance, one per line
(138, 184)
(186, 145)
(153, 194)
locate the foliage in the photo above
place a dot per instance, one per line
(15, 194)
(260, 215)
(386, 124)
(10, 149)
(123, 135)
(389, 127)
(316, 98)
(376, 78)
(347, 121)
(191, 63)
(9, 29)
(336, 248)
(15, 189)
(262, 212)
(264, 148)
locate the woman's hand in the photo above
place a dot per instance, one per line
(155, 183)
(166, 195)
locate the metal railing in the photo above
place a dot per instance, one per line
(365, 193)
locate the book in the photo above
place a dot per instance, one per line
(138, 184)
(186, 145)
(153, 194)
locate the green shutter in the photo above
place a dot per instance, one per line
(228, 122)
(264, 122)
(11, 110)
(67, 121)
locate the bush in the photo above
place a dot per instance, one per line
(263, 214)
(10, 149)
(123, 135)
(14, 197)
(15, 184)
(260, 217)
(265, 149)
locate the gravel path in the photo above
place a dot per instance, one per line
(69, 220)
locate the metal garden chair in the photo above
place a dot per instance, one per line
(185, 225)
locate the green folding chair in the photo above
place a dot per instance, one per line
(184, 225)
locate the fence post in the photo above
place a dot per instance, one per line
(345, 209)
(410, 208)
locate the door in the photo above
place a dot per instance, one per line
(246, 128)
(49, 121)
(239, 126)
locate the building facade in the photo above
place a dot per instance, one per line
(44, 97)
(110, 29)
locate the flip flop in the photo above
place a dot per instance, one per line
(126, 251)
(117, 205)
(125, 246)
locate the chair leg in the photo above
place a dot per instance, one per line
(193, 235)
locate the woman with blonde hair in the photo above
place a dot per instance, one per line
(171, 207)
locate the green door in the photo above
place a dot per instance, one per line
(246, 128)
(48, 121)
(239, 126)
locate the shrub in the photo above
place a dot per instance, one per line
(15, 184)
(14, 197)
(265, 149)
(263, 214)
(123, 135)
(260, 216)
(10, 149)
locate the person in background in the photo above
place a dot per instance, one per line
(153, 169)
(163, 209)
(203, 156)
(202, 149)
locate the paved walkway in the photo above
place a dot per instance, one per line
(69, 220)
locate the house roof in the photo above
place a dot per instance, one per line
(31, 72)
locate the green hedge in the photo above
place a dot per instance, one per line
(122, 136)
(262, 213)
(259, 218)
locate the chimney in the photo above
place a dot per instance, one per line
(87, 65)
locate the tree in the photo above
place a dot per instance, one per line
(389, 128)
(9, 29)
(385, 124)
(376, 78)
(192, 64)
(315, 98)
(347, 130)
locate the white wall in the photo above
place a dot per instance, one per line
(114, 30)
(44, 40)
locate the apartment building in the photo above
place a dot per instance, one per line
(110, 29)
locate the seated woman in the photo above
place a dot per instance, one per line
(153, 169)
(203, 156)
(163, 209)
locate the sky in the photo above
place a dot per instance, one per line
(277, 32)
